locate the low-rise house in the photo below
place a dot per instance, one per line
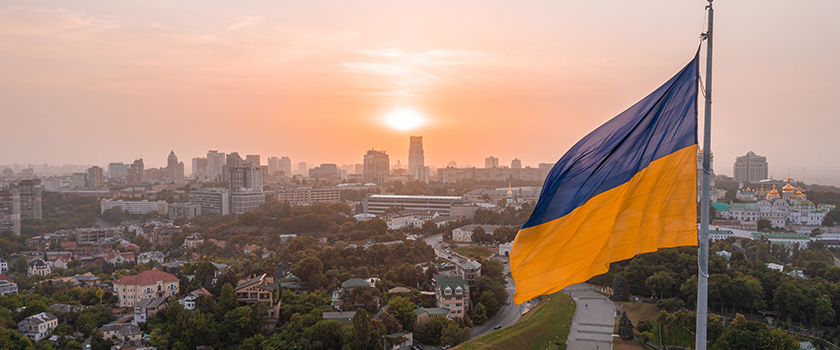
(39, 326)
(452, 293)
(39, 267)
(130, 247)
(400, 340)
(348, 285)
(121, 331)
(62, 261)
(469, 270)
(464, 234)
(147, 307)
(424, 314)
(147, 257)
(345, 317)
(786, 239)
(133, 345)
(719, 235)
(68, 246)
(189, 300)
(192, 241)
(218, 243)
(147, 284)
(7, 287)
(120, 258)
(250, 248)
(260, 289)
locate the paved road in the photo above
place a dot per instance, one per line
(592, 326)
(507, 315)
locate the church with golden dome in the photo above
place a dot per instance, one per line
(788, 207)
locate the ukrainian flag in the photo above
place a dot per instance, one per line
(627, 188)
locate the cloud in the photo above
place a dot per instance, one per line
(245, 22)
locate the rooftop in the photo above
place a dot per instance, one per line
(146, 278)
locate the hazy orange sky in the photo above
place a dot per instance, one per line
(100, 81)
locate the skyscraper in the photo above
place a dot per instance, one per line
(286, 166)
(95, 177)
(246, 177)
(750, 168)
(516, 163)
(174, 168)
(9, 210)
(377, 167)
(303, 169)
(135, 173)
(273, 165)
(254, 159)
(215, 165)
(199, 168)
(118, 170)
(232, 160)
(416, 159)
(491, 162)
(30, 198)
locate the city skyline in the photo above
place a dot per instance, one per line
(315, 82)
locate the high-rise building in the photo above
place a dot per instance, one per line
(750, 168)
(324, 171)
(273, 165)
(303, 169)
(452, 164)
(95, 177)
(30, 198)
(135, 173)
(358, 169)
(174, 168)
(199, 168)
(491, 162)
(516, 163)
(377, 167)
(118, 170)
(10, 210)
(286, 166)
(232, 160)
(215, 165)
(244, 178)
(254, 159)
(416, 159)
(211, 200)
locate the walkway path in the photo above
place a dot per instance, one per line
(592, 326)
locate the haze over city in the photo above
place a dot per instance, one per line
(98, 82)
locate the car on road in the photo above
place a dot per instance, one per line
(498, 326)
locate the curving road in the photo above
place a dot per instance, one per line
(507, 315)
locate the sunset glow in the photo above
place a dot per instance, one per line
(404, 119)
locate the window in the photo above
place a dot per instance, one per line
(160, 288)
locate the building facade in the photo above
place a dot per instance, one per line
(377, 167)
(378, 203)
(452, 293)
(184, 210)
(215, 165)
(416, 159)
(211, 200)
(39, 326)
(244, 201)
(135, 207)
(491, 162)
(147, 284)
(95, 177)
(308, 196)
(9, 210)
(750, 168)
(174, 168)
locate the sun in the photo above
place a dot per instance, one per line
(404, 119)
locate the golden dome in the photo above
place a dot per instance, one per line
(787, 188)
(788, 179)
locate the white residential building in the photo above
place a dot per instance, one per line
(4, 265)
(308, 196)
(39, 326)
(211, 200)
(136, 207)
(244, 201)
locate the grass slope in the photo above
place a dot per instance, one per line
(533, 331)
(475, 251)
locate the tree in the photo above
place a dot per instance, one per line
(620, 292)
(310, 270)
(403, 310)
(625, 327)
(478, 314)
(115, 215)
(659, 282)
(361, 329)
(764, 224)
(227, 301)
(430, 227)
(823, 312)
(832, 217)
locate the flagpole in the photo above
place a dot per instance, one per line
(703, 253)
